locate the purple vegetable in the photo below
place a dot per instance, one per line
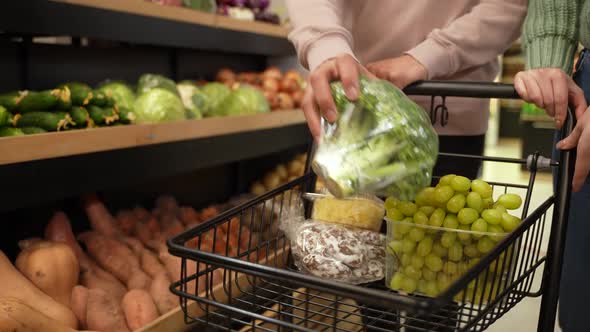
(267, 17)
(223, 10)
(260, 5)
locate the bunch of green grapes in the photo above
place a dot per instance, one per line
(445, 231)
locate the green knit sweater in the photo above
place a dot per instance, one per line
(552, 30)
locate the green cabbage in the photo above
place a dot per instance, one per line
(383, 144)
(244, 100)
(187, 90)
(212, 95)
(158, 105)
(151, 81)
(120, 92)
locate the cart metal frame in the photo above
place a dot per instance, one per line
(280, 298)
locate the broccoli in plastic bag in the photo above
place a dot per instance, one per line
(383, 144)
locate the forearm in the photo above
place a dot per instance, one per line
(318, 30)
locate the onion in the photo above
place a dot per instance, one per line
(288, 85)
(297, 97)
(272, 72)
(271, 97)
(225, 74)
(294, 167)
(281, 171)
(271, 181)
(270, 84)
(285, 101)
(248, 77)
(294, 75)
(257, 188)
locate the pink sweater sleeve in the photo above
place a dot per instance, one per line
(318, 30)
(473, 39)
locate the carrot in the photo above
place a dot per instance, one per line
(100, 218)
(126, 221)
(78, 302)
(160, 292)
(139, 309)
(150, 264)
(103, 312)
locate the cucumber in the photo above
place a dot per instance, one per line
(64, 103)
(80, 116)
(81, 93)
(44, 100)
(101, 100)
(126, 115)
(5, 117)
(50, 121)
(10, 100)
(102, 116)
(9, 131)
(33, 130)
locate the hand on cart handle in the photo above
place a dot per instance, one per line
(318, 97)
(552, 89)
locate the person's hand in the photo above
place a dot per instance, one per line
(551, 89)
(579, 137)
(401, 71)
(318, 96)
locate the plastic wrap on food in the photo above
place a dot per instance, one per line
(382, 144)
(363, 211)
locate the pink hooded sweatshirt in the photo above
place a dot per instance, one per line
(453, 39)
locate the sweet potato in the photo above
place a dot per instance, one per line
(139, 309)
(78, 301)
(99, 278)
(27, 243)
(139, 280)
(103, 312)
(134, 244)
(141, 214)
(209, 213)
(99, 216)
(187, 215)
(143, 234)
(151, 264)
(18, 316)
(59, 229)
(160, 292)
(173, 267)
(166, 203)
(126, 221)
(110, 254)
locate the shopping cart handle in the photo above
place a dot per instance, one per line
(462, 89)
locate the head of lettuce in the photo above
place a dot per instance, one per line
(383, 143)
(158, 105)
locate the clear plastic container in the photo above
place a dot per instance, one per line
(426, 260)
(361, 211)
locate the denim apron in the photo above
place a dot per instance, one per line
(575, 279)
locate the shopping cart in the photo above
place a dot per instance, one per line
(249, 282)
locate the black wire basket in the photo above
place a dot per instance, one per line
(249, 282)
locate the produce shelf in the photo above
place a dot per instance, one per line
(70, 163)
(138, 21)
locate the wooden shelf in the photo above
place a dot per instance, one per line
(62, 144)
(142, 22)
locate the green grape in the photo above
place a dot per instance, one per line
(496, 229)
(510, 201)
(450, 268)
(485, 245)
(416, 234)
(396, 281)
(425, 246)
(404, 228)
(439, 250)
(509, 222)
(413, 272)
(462, 267)
(451, 221)
(395, 246)
(428, 274)
(409, 285)
(479, 225)
(420, 218)
(488, 202)
(417, 261)
(456, 252)
(492, 216)
(446, 180)
(425, 197)
(407, 208)
(464, 237)
(474, 201)
(427, 210)
(460, 183)
(482, 188)
(437, 217)
(395, 214)
(471, 251)
(467, 216)
(408, 246)
(398, 236)
(433, 262)
(448, 239)
(391, 203)
(473, 262)
(422, 286)
(443, 281)
(406, 259)
(456, 203)
(431, 288)
(500, 208)
(443, 194)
